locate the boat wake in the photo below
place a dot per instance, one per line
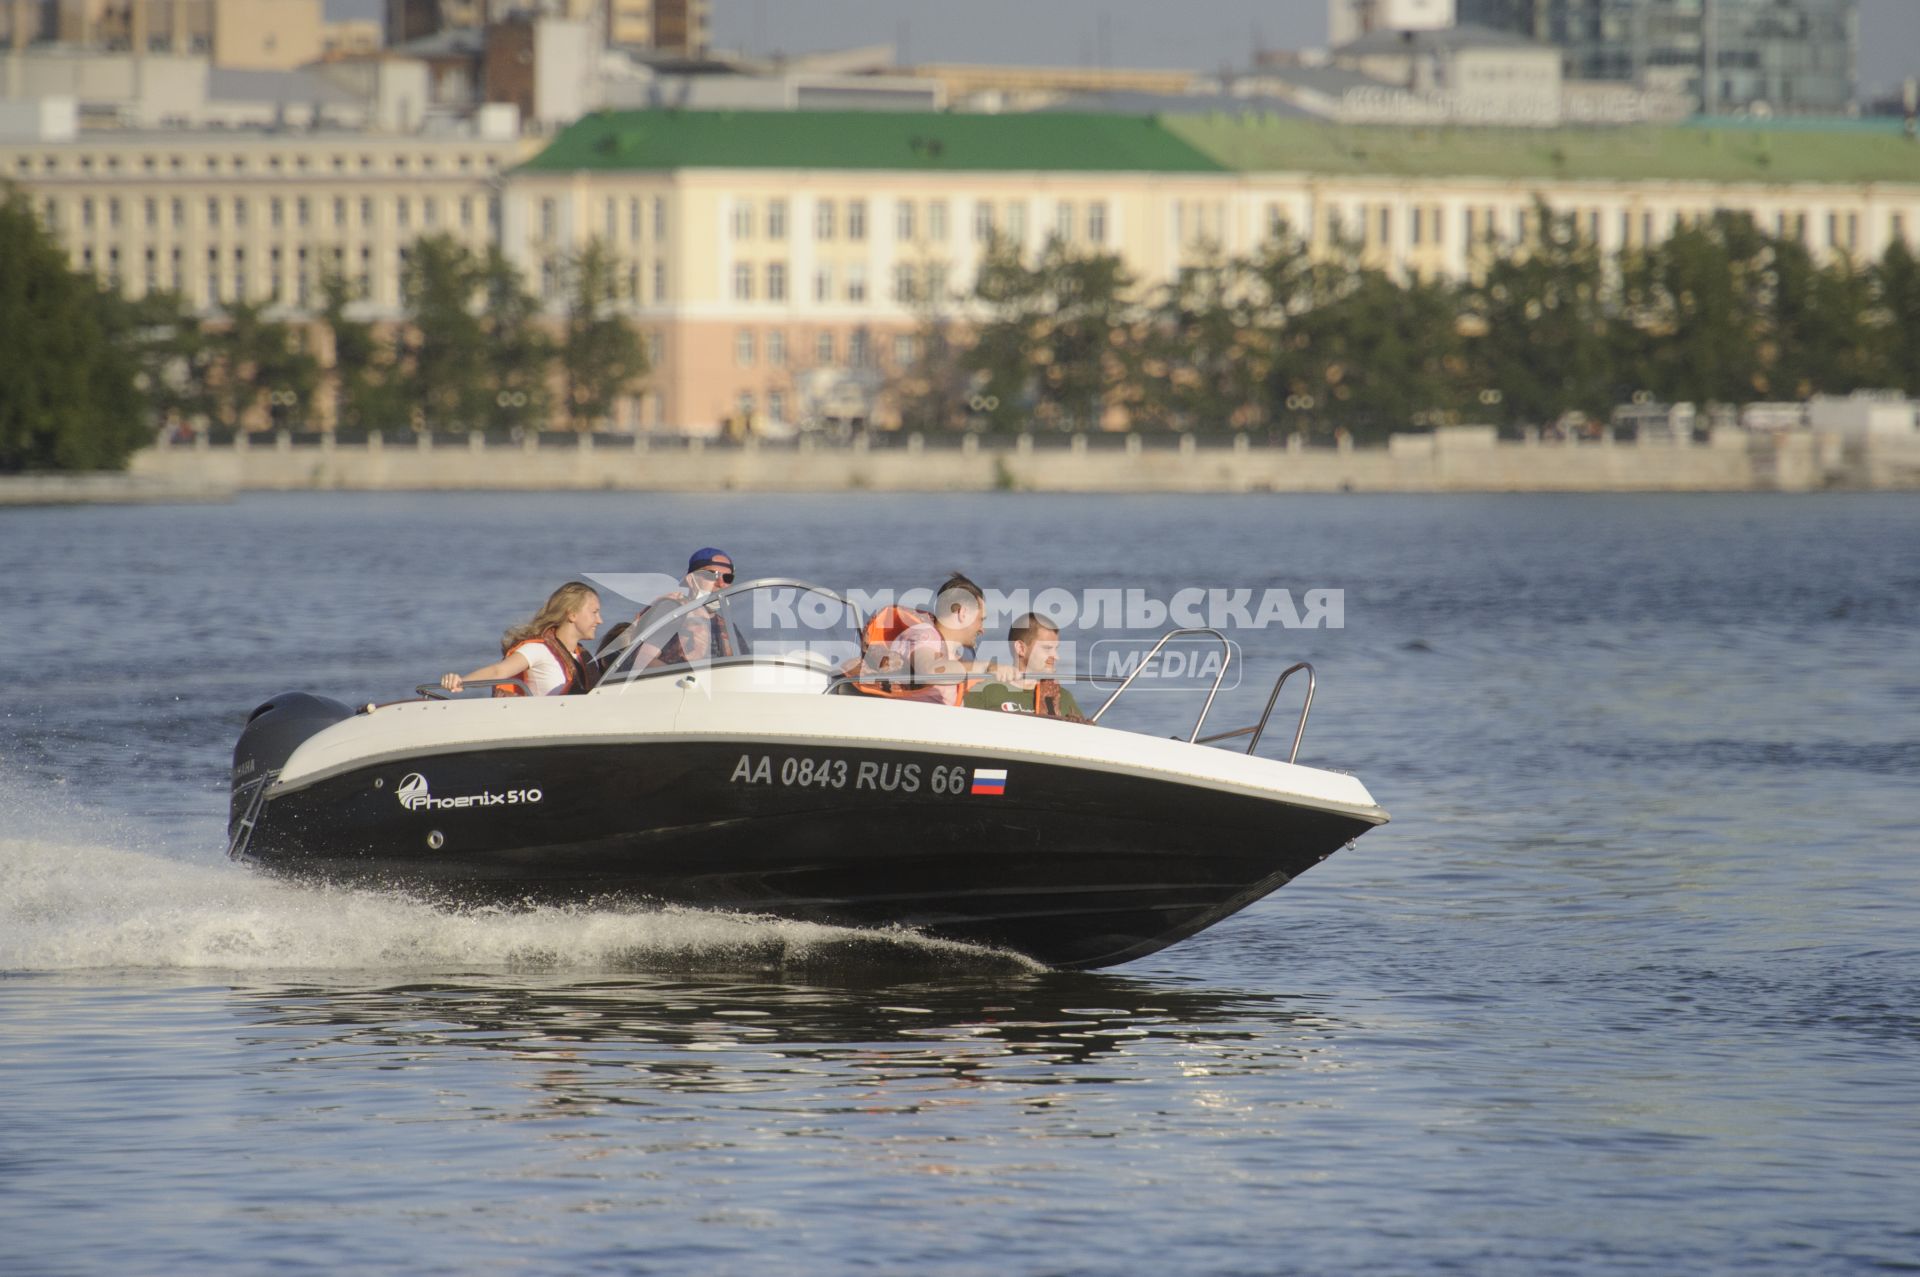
(70, 907)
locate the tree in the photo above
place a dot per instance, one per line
(69, 392)
(257, 363)
(1202, 356)
(1542, 327)
(1002, 356)
(1050, 350)
(1374, 354)
(519, 353)
(367, 391)
(1080, 357)
(601, 352)
(935, 390)
(1896, 286)
(444, 351)
(1693, 313)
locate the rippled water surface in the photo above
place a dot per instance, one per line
(1630, 984)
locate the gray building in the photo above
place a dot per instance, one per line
(1783, 57)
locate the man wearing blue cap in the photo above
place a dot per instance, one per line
(702, 633)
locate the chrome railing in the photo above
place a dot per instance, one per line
(1226, 660)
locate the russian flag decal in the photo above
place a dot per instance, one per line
(987, 780)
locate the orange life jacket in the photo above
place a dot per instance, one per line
(877, 658)
(578, 665)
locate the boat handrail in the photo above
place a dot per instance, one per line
(1259, 728)
(1226, 660)
(435, 692)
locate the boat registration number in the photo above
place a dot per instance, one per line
(802, 772)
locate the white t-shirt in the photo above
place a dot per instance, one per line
(545, 675)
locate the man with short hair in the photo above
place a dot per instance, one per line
(938, 647)
(1036, 651)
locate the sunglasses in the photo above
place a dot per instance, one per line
(724, 576)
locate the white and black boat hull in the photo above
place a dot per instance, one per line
(1075, 864)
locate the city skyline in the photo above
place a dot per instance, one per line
(1206, 37)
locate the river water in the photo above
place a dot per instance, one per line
(1630, 984)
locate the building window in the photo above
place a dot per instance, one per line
(742, 219)
(777, 348)
(1017, 221)
(276, 213)
(859, 352)
(213, 212)
(982, 221)
(403, 213)
(823, 218)
(776, 219)
(1097, 222)
(303, 211)
(86, 212)
(903, 220)
(153, 214)
(1386, 225)
(823, 348)
(777, 405)
(549, 220)
(177, 214)
(659, 281)
(1417, 231)
(744, 405)
(856, 282)
(656, 349)
(743, 348)
(905, 350)
(937, 221)
(856, 219)
(613, 217)
(903, 284)
(659, 218)
(366, 214)
(742, 282)
(466, 212)
(776, 281)
(633, 220)
(823, 283)
(936, 281)
(1063, 222)
(239, 212)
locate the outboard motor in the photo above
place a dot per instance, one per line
(273, 732)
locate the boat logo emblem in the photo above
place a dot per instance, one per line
(414, 795)
(412, 791)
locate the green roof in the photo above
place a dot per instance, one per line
(1688, 153)
(1715, 151)
(920, 141)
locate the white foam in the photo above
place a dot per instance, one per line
(66, 907)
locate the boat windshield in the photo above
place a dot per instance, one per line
(772, 622)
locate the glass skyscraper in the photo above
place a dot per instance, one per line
(1791, 57)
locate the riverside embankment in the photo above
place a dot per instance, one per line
(1465, 459)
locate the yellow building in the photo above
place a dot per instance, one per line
(783, 265)
(258, 216)
(782, 261)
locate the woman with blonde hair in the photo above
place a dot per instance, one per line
(547, 655)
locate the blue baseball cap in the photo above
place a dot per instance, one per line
(708, 556)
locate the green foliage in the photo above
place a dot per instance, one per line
(601, 352)
(1543, 332)
(369, 394)
(70, 395)
(1282, 339)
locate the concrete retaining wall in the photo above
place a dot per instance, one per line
(1468, 462)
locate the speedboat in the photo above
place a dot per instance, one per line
(768, 781)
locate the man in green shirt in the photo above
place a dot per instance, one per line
(1036, 650)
